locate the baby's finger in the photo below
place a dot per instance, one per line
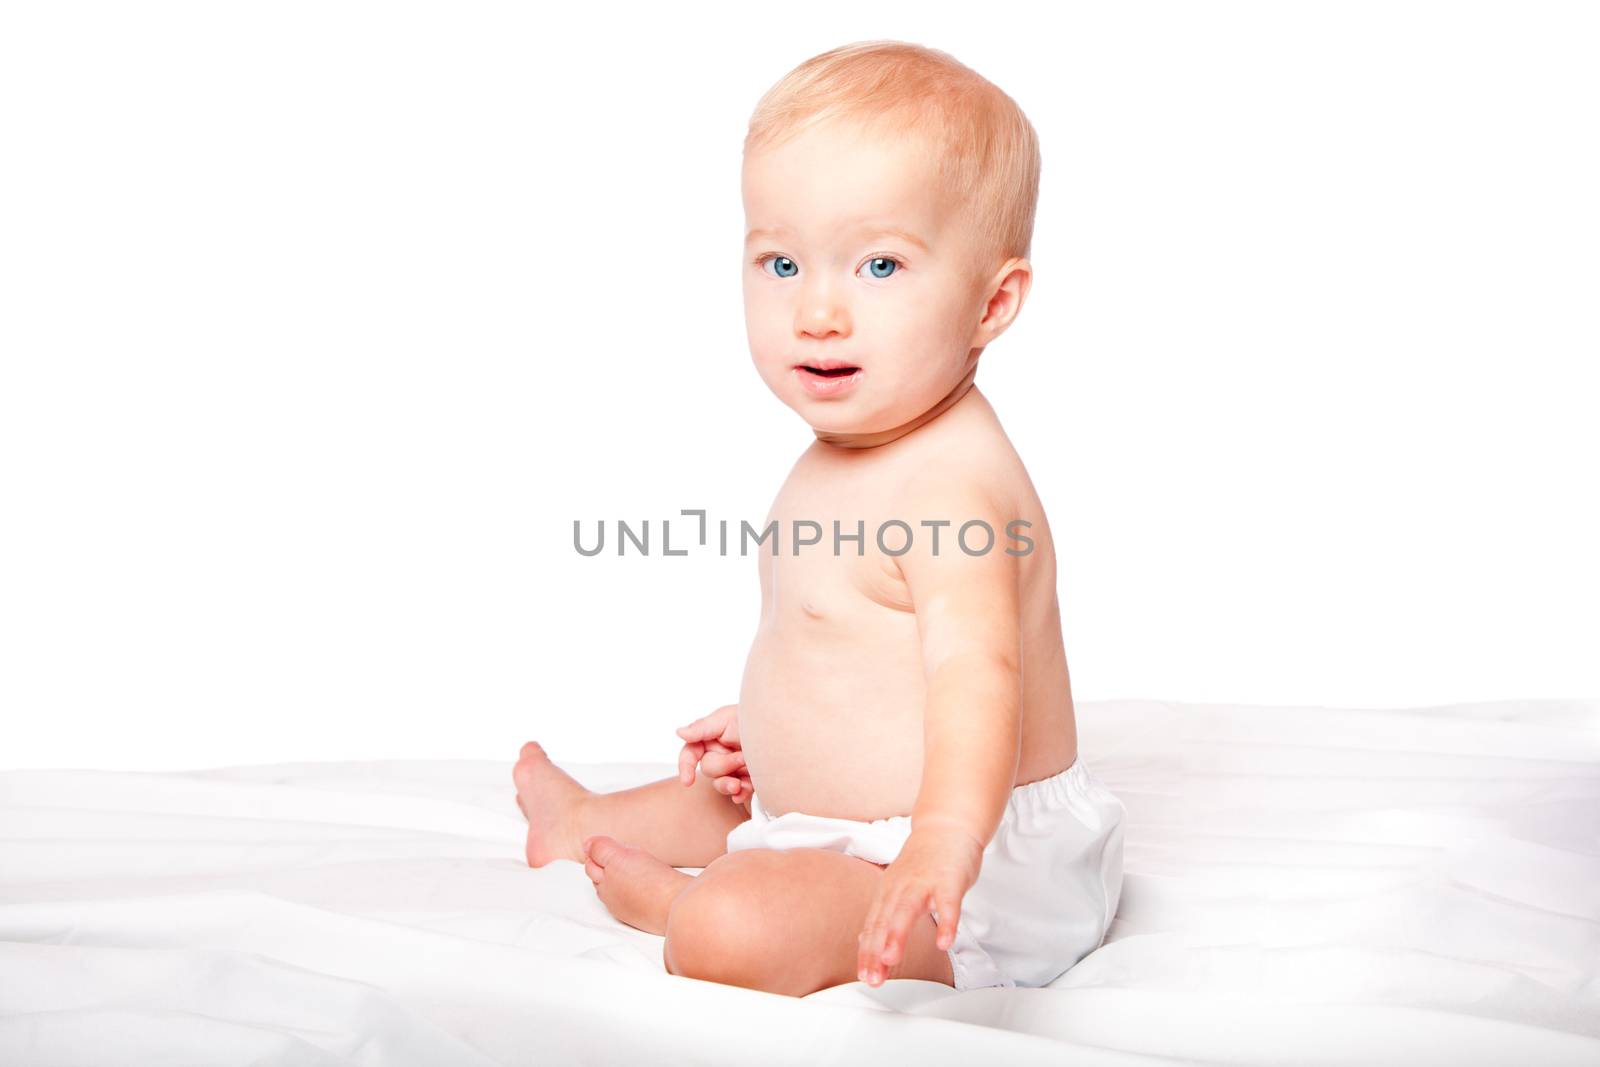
(869, 927)
(877, 933)
(949, 916)
(686, 762)
(896, 931)
(864, 953)
(700, 729)
(720, 764)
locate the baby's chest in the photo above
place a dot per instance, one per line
(825, 563)
(832, 557)
(830, 581)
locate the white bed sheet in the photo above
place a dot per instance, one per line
(1306, 885)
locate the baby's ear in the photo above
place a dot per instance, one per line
(1007, 295)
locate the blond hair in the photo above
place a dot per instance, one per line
(986, 149)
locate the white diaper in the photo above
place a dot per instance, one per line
(1046, 892)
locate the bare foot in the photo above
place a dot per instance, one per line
(549, 798)
(635, 887)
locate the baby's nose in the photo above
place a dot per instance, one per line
(823, 320)
(821, 311)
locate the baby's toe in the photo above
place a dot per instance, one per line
(602, 850)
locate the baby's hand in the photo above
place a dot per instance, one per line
(933, 871)
(713, 744)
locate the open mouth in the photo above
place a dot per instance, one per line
(830, 372)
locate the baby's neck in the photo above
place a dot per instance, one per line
(883, 437)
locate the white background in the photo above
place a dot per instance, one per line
(321, 323)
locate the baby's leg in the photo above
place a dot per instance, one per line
(684, 826)
(786, 922)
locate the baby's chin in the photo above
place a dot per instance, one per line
(840, 415)
(840, 423)
(831, 423)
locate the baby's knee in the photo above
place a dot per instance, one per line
(715, 929)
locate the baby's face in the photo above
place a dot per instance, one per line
(828, 284)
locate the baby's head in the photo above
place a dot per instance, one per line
(889, 195)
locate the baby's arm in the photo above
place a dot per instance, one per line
(969, 620)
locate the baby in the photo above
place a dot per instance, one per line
(898, 792)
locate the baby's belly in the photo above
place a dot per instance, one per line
(831, 722)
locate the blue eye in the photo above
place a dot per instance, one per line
(882, 266)
(783, 266)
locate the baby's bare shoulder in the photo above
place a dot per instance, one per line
(975, 469)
